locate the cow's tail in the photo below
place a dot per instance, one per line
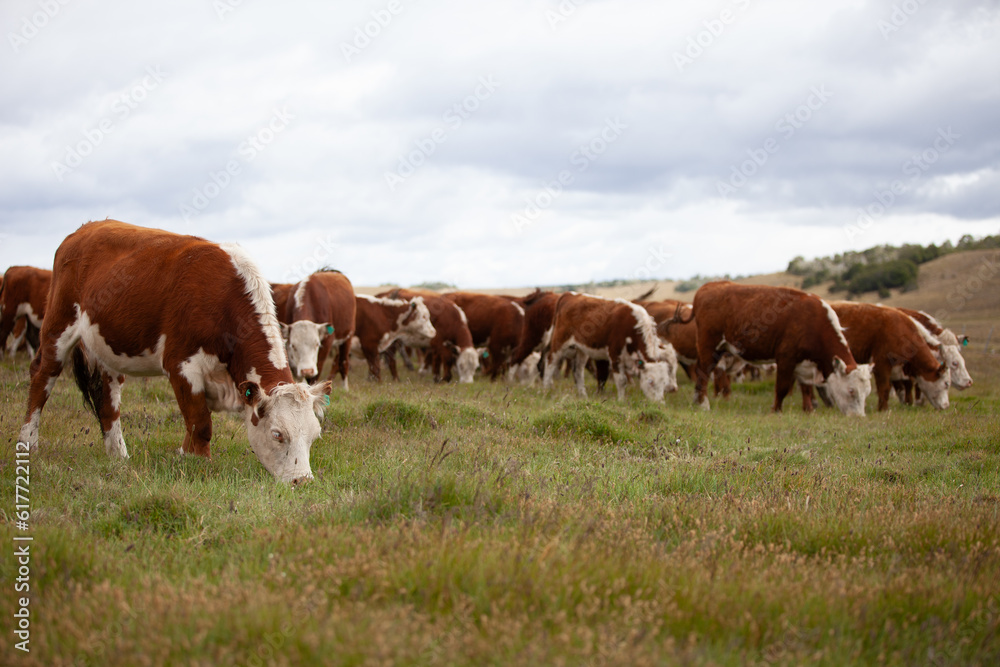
(645, 295)
(678, 318)
(88, 379)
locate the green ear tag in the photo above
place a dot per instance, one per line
(329, 329)
(326, 399)
(248, 394)
(486, 354)
(965, 342)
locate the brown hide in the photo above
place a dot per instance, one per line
(598, 323)
(138, 285)
(765, 323)
(22, 285)
(539, 308)
(494, 322)
(326, 297)
(372, 321)
(888, 338)
(280, 293)
(452, 335)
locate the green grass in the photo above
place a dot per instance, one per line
(496, 524)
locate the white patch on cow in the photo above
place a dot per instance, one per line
(29, 432)
(808, 373)
(259, 291)
(25, 310)
(206, 374)
(518, 306)
(461, 313)
(645, 326)
(831, 314)
(953, 360)
(304, 339)
(300, 292)
(82, 330)
(525, 372)
(925, 335)
(115, 391)
(114, 441)
(419, 331)
(466, 364)
(253, 375)
(50, 385)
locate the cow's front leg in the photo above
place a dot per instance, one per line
(783, 383)
(197, 416)
(579, 366)
(110, 414)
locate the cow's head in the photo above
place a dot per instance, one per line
(935, 386)
(466, 361)
(658, 376)
(848, 389)
(282, 425)
(951, 355)
(415, 325)
(527, 371)
(303, 339)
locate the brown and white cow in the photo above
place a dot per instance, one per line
(495, 323)
(320, 316)
(127, 300)
(615, 330)
(23, 293)
(889, 338)
(539, 308)
(379, 322)
(798, 331)
(950, 350)
(452, 342)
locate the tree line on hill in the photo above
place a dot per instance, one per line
(880, 268)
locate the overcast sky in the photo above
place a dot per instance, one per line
(514, 143)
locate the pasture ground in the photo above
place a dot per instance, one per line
(492, 524)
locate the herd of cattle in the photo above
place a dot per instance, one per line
(126, 300)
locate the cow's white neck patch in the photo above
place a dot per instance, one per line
(925, 335)
(831, 314)
(381, 300)
(300, 292)
(208, 375)
(259, 291)
(646, 328)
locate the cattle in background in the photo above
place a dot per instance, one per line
(280, 293)
(380, 322)
(23, 294)
(495, 323)
(675, 324)
(115, 309)
(949, 352)
(888, 338)
(320, 316)
(798, 331)
(539, 307)
(452, 342)
(616, 330)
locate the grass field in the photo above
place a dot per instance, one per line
(491, 524)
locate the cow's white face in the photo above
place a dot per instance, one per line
(656, 378)
(467, 363)
(304, 338)
(527, 371)
(849, 391)
(282, 426)
(936, 390)
(418, 330)
(951, 355)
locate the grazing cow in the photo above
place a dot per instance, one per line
(675, 324)
(889, 338)
(320, 315)
(452, 344)
(280, 293)
(495, 323)
(539, 307)
(116, 309)
(380, 322)
(614, 330)
(950, 350)
(23, 293)
(796, 330)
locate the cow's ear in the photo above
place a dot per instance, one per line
(452, 347)
(285, 329)
(964, 340)
(324, 329)
(942, 369)
(641, 363)
(413, 306)
(251, 395)
(839, 366)
(321, 397)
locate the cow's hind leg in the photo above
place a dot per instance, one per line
(102, 393)
(45, 369)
